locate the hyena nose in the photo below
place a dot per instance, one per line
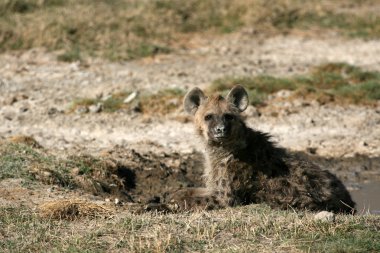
(220, 129)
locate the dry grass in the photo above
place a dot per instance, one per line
(129, 29)
(26, 140)
(72, 209)
(254, 228)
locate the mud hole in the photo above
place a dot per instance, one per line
(138, 177)
(150, 177)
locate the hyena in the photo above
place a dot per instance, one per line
(244, 166)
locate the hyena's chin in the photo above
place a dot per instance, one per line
(220, 140)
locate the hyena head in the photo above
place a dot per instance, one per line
(217, 119)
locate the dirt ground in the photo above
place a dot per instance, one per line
(36, 92)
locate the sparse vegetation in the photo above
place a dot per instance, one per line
(338, 81)
(329, 82)
(254, 228)
(130, 29)
(159, 103)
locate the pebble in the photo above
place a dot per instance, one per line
(96, 108)
(82, 109)
(325, 216)
(131, 97)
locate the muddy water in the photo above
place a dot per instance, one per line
(367, 198)
(361, 176)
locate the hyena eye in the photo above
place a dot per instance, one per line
(228, 117)
(208, 117)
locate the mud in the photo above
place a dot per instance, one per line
(151, 176)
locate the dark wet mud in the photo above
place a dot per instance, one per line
(151, 176)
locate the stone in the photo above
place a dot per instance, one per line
(130, 98)
(325, 216)
(96, 108)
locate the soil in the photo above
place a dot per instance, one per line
(36, 92)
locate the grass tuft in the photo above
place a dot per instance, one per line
(72, 209)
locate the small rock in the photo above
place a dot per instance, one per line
(324, 216)
(131, 97)
(75, 171)
(96, 108)
(106, 97)
(11, 100)
(52, 111)
(312, 122)
(74, 66)
(117, 201)
(283, 94)
(173, 101)
(47, 174)
(82, 109)
(99, 95)
(23, 109)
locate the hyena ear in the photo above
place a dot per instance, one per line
(239, 97)
(192, 100)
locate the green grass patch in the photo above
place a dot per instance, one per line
(14, 159)
(340, 81)
(254, 228)
(31, 164)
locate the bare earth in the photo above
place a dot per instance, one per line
(36, 92)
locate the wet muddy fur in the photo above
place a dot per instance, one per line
(243, 166)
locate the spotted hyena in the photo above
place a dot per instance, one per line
(244, 166)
